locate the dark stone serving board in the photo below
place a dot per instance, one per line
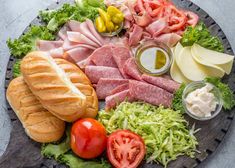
(22, 152)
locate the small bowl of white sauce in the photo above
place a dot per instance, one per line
(202, 101)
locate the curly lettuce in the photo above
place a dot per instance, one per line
(202, 36)
(27, 42)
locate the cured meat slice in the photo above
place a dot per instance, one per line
(63, 31)
(68, 45)
(94, 32)
(103, 56)
(164, 83)
(94, 73)
(150, 93)
(130, 68)
(157, 27)
(135, 35)
(74, 25)
(170, 39)
(113, 100)
(120, 88)
(57, 52)
(80, 38)
(105, 86)
(82, 64)
(45, 45)
(120, 55)
(78, 54)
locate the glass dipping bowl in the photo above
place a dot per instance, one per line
(153, 44)
(197, 85)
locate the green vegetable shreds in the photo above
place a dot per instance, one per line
(177, 103)
(202, 36)
(83, 10)
(16, 69)
(62, 153)
(227, 94)
(164, 131)
(27, 42)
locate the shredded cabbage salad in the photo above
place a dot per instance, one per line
(164, 131)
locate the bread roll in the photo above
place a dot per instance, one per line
(52, 87)
(81, 81)
(39, 124)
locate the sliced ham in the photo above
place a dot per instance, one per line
(113, 100)
(164, 83)
(120, 55)
(94, 32)
(74, 25)
(63, 32)
(68, 45)
(157, 27)
(45, 45)
(130, 68)
(82, 64)
(126, 12)
(94, 73)
(79, 53)
(106, 85)
(120, 88)
(57, 52)
(135, 35)
(150, 93)
(170, 39)
(80, 38)
(103, 56)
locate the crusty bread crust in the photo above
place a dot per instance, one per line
(52, 87)
(39, 124)
(81, 81)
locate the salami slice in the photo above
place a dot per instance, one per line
(106, 85)
(131, 69)
(103, 56)
(121, 55)
(164, 83)
(94, 73)
(120, 88)
(150, 93)
(113, 100)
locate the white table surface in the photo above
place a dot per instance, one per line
(15, 15)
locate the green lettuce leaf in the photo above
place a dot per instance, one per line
(16, 69)
(177, 103)
(202, 36)
(227, 94)
(27, 42)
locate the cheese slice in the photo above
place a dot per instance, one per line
(222, 60)
(189, 67)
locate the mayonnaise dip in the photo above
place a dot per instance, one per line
(201, 102)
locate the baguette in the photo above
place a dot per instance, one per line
(39, 124)
(49, 83)
(81, 81)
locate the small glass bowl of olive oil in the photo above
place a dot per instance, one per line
(153, 58)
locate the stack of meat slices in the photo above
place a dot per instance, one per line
(117, 78)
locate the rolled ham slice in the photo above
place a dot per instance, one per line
(79, 53)
(103, 56)
(164, 83)
(113, 100)
(170, 39)
(135, 35)
(130, 68)
(68, 45)
(63, 31)
(45, 45)
(106, 85)
(94, 73)
(150, 93)
(121, 55)
(157, 27)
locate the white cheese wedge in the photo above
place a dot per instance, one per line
(175, 72)
(222, 60)
(189, 67)
(211, 69)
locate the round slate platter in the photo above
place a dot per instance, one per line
(25, 153)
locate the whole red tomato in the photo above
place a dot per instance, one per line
(88, 138)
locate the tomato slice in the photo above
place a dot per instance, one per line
(125, 149)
